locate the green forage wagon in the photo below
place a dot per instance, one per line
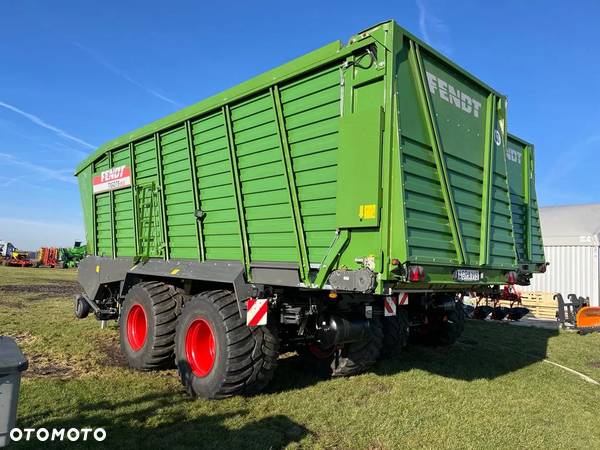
(332, 206)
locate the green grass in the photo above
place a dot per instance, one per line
(491, 390)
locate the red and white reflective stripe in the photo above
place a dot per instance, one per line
(402, 298)
(257, 312)
(389, 306)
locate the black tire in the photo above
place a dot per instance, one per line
(244, 358)
(396, 331)
(447, 326)
(358, 357)
(453, 326)
(158, 302)
(82, 307)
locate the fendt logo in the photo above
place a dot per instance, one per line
(453, 95)
(112, 179)
(514, 155)
(112, 174)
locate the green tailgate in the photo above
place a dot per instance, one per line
(526, 220)
(452, 145)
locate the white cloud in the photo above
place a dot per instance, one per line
(7, 181)
(60, 175)
(31, 235)
(42, 123)
(433, 30)
(115, 70)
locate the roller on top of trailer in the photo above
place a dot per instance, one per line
(330, 206)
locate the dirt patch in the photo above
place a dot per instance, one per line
(111, 352)
(594, 364)
(63, 288)
(42, 366)
(68, 367)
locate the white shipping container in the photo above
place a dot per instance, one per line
(571, 236)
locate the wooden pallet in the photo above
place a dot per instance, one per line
(541, 304)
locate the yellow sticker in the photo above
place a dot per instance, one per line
(174, 271)
(97, 269)
(367, 211)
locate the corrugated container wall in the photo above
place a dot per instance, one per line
(572, 270)
(572, 247)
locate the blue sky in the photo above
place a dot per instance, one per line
(75, 74)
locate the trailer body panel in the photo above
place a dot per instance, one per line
(377, 155)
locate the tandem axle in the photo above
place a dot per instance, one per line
(205, 327)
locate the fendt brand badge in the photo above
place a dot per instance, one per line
(453, 95)
(514, 155)
(111, 179)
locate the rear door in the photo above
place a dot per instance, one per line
(525, 214)
(453, 141)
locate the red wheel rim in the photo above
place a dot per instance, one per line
(137, 327)
(200, 348)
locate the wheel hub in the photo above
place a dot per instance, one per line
(200, 348)
(137, 327)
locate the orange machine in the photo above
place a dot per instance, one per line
(578, 314)
(48, 257)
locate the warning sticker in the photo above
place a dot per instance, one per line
(367, 211)
(257, 312)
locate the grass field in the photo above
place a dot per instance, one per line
(491, 390)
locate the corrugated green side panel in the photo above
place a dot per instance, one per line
(103, 227)
(267, 208)
(501, 242)
(146, 171)
(429, 238)
(462, 135)
(103, 215)
(179, 199)
(260, 82)
(123, 210)
(311, 109)
(520, 164)
(537, 244)
(145, 162)
(428, 230)
(220, 225)
(515, 165)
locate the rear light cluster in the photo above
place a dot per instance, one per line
(511, 277)
(416, 274)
